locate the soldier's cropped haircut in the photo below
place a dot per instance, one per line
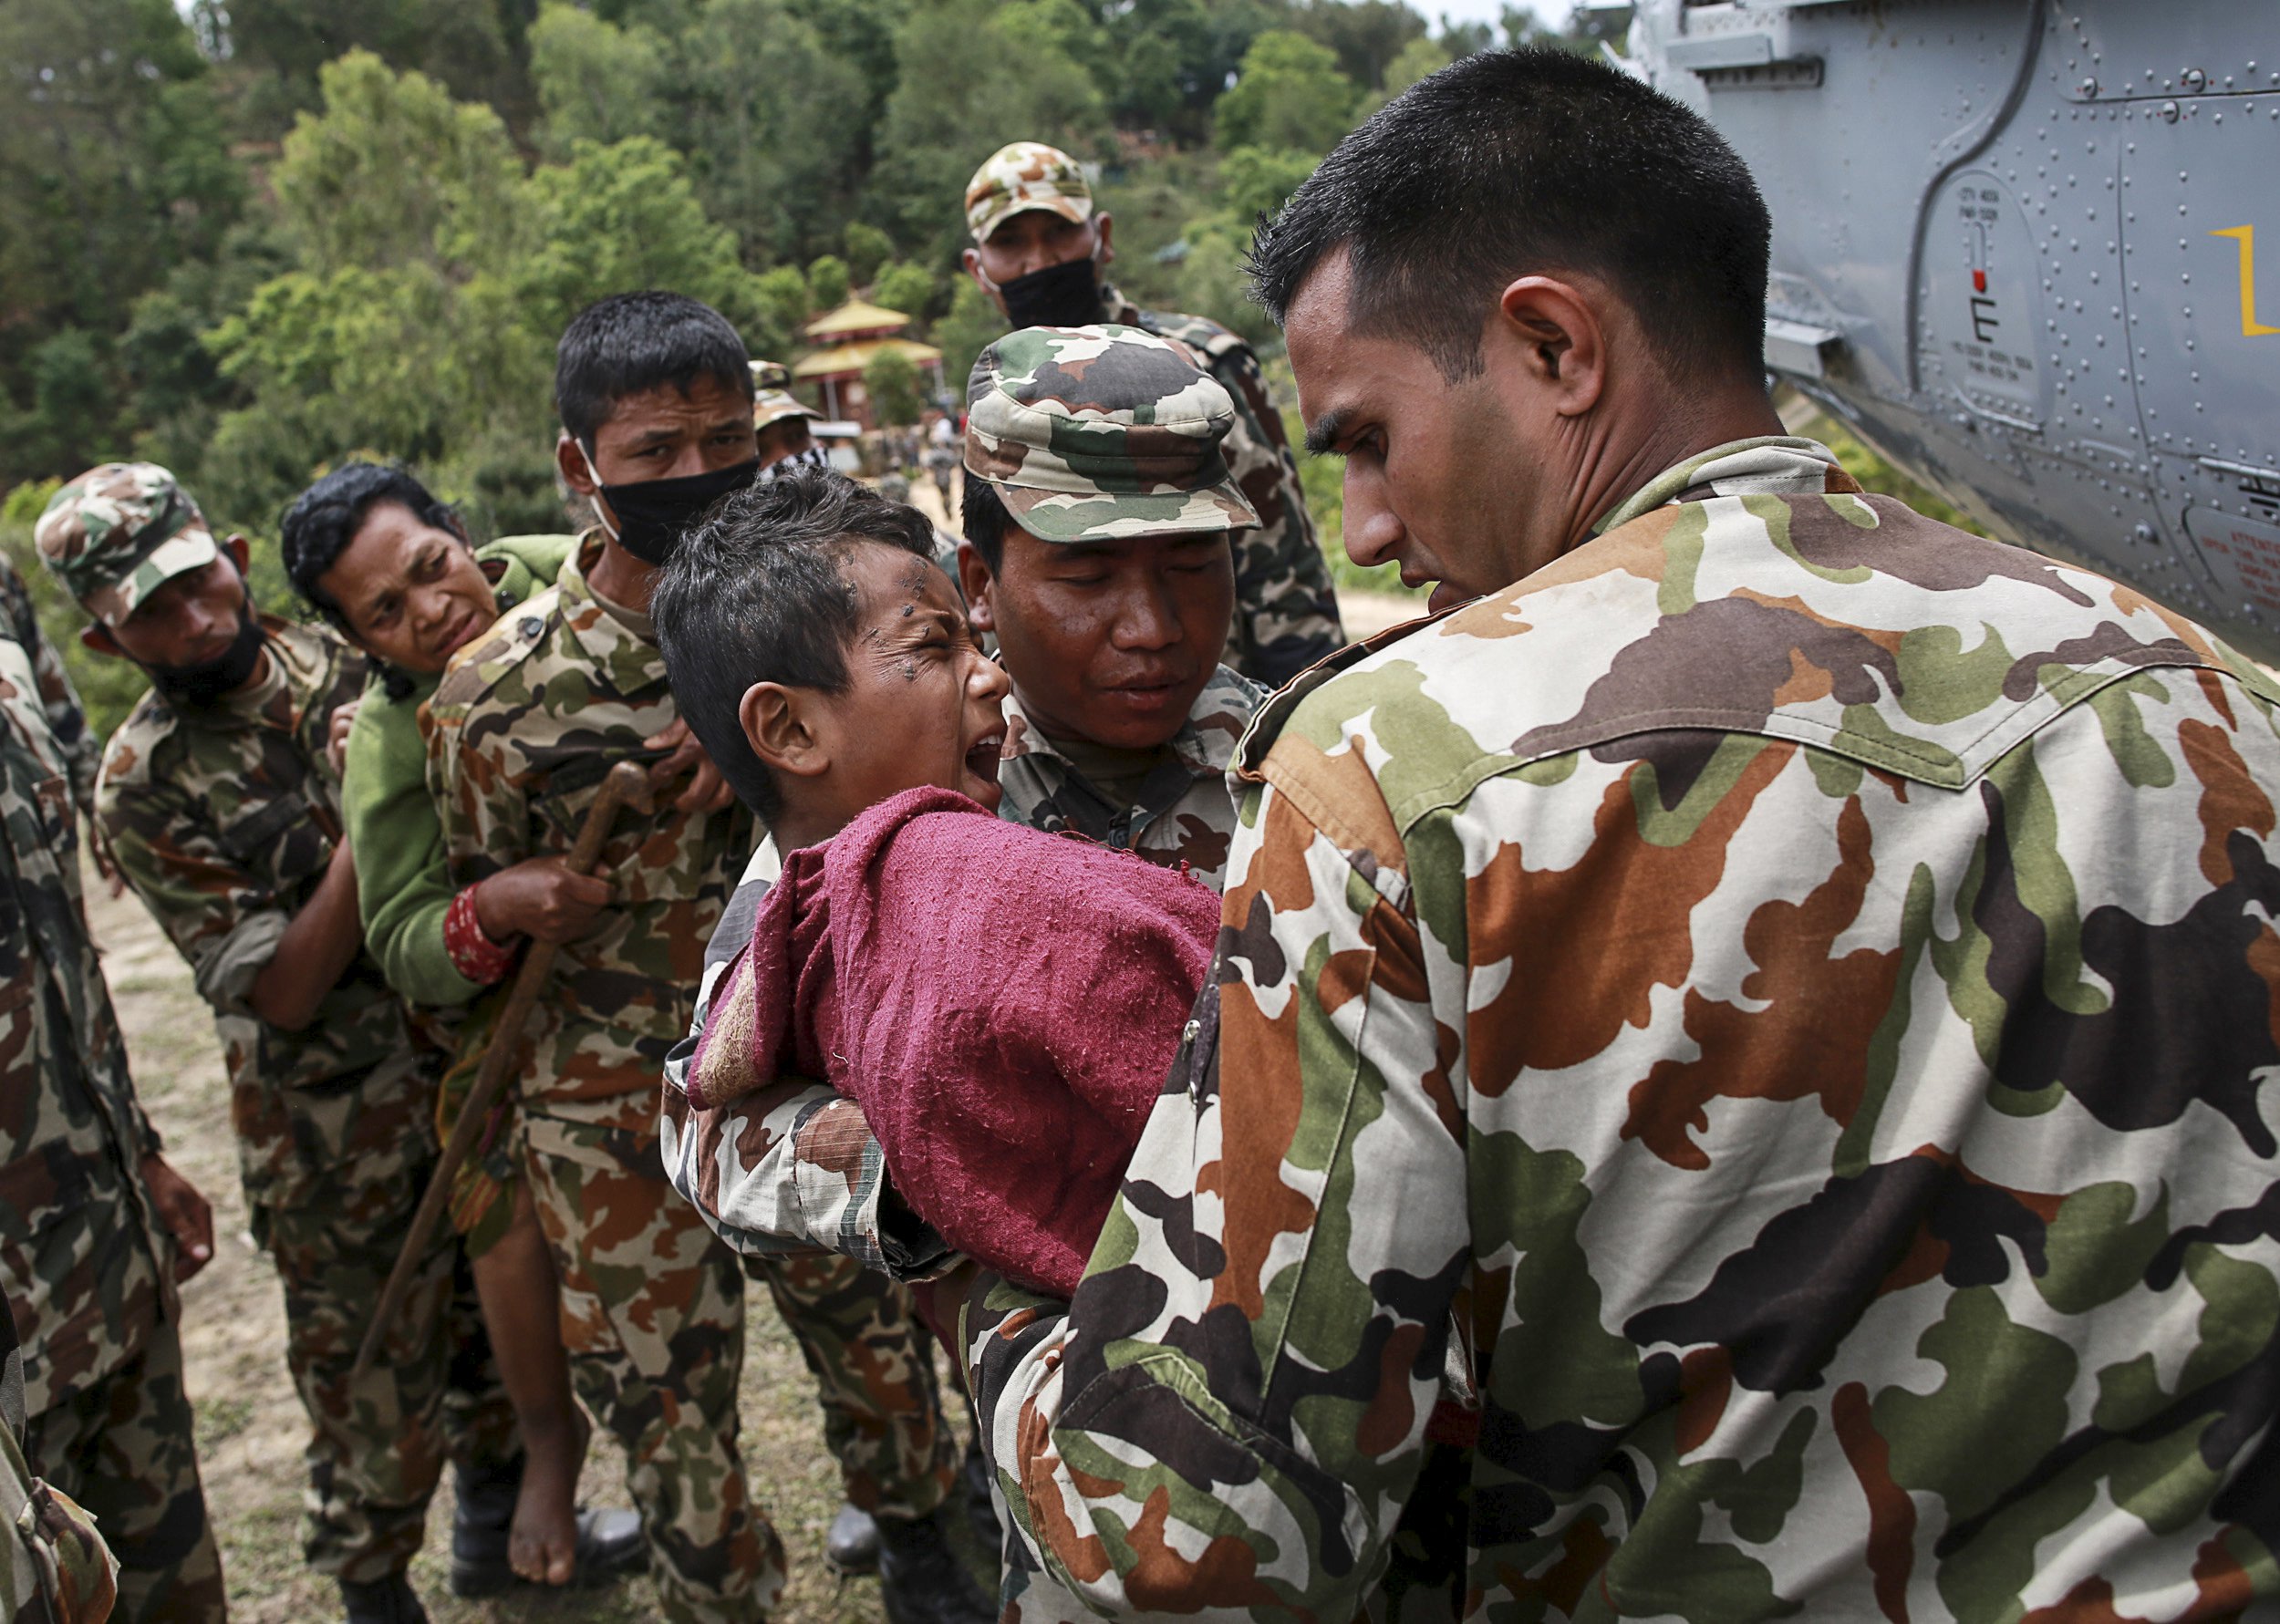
(759, 593)
(981, 515)
(1532, 162)
(629, 342)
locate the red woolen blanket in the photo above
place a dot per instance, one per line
(1003, 1004)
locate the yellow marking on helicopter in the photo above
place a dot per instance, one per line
(2250, 326)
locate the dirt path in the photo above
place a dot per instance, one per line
(250, 1425)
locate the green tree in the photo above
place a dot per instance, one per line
(892, 382)
(395, 173)
(965, 87)
(619, 217)
(775, 126)
(906, 287)
(785, 305)
(1288, 97)
(1366, 34)
(1066, 27)
(1418, 60)
(594, 80)
(114, 170)
(275, 51)
(972, 324)
(827, 281)
(421, 319)
(1256, 180)
(868, 248)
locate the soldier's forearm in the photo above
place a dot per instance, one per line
(315, 952)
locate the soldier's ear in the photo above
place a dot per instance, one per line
(1547, 330)
(780, 725)
(1104, 251)
(570, 463)
(235, 545)
(95, 638)
(973, 580)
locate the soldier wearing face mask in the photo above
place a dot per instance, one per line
(1041, 253)
(656, 405)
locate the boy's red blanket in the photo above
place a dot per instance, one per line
(1003, 1004)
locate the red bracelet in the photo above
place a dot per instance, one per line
(474, 954)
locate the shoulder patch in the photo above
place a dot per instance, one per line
(512, 638)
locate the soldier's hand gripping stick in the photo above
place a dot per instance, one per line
(626, 785)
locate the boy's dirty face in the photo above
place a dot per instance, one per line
(923, 704)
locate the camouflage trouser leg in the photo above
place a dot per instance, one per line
(123, 1449)
(653, 1317)
(376, 1447)
(874, 1365)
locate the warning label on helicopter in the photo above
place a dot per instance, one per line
(1981, 306)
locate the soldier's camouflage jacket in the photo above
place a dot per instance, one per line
(84, 1262)
(794, 1167)
(1797, 982)
(1285, 611)
(222, 818)
(527, 721)
(58, 701)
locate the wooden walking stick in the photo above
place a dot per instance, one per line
(627, 784)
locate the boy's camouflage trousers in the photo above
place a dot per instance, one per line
(123, 1449)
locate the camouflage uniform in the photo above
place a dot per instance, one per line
(54, 1564)
(86, 1263)
(1789, 982)
(224, 820)
(1285, 611)
(527, 721)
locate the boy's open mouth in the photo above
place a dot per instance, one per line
(981, 760)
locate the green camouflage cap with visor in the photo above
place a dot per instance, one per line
(118, 533)
(1092, 434)
(1022, 176)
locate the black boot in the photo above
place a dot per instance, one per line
(921, 1580)
(609, 1540)
(391, 1600)
(852, 1545)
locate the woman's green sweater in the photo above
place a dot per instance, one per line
(403, 886)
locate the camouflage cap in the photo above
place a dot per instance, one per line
(1094, 433)
(118, 533)
(1022, 176)
(772, 406)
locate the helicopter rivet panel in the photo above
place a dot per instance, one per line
(2206, 330)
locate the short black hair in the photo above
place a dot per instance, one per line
(759, 593)
(982, 515)
(628, 343)
(1518, 161)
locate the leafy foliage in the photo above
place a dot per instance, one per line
(892, 382)
(250, 238)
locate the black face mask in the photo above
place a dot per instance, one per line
(654, 514)
(209, 681)
(1064, 295)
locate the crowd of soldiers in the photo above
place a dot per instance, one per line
(1730, 1086)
